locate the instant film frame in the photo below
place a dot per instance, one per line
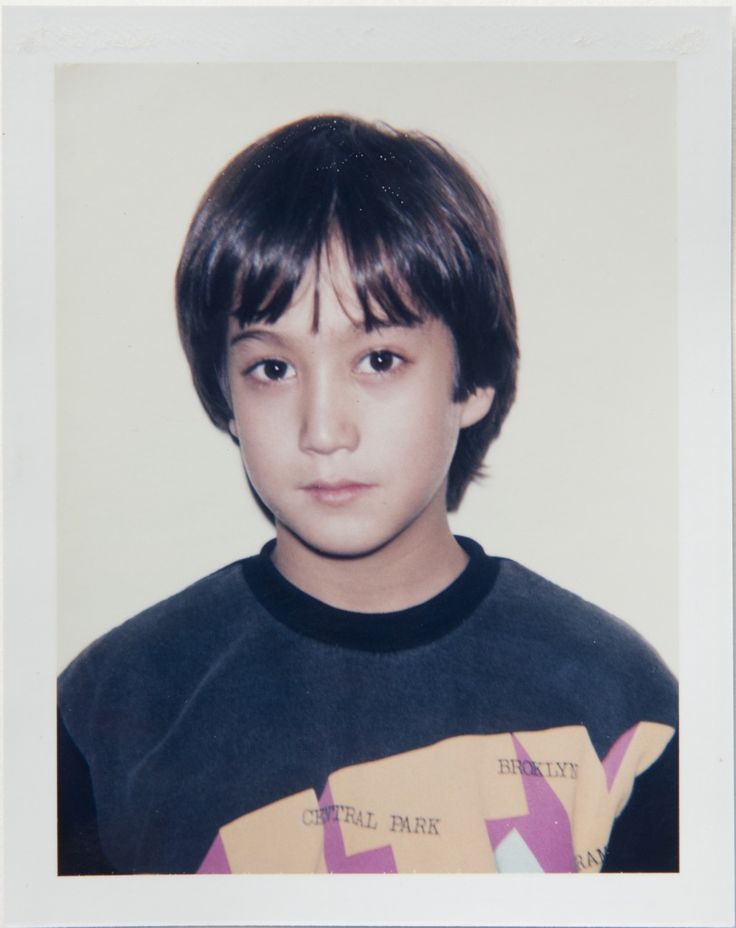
(603, 137)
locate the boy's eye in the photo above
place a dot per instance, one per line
(379, 362)
(272, 370)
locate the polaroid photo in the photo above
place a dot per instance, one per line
(367, 411)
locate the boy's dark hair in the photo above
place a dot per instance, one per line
(419, 235)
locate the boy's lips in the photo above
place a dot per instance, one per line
(336, 492)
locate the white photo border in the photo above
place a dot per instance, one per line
(698, 40)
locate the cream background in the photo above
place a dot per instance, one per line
(581, 161)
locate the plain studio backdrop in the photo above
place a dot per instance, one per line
(580, 160)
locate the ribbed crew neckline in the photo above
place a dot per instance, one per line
(384, 631)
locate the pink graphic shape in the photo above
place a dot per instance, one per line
(615, 756)
(216, 860)
(377, 860)
(546, 826)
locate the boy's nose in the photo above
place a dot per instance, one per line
(329, 419)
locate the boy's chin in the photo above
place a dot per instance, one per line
(334, 546)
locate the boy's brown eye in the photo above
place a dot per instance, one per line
(379, 362)
(272, 369)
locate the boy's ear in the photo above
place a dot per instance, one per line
(233, 429)
(476, 405)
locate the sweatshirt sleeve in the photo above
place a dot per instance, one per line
(79, 849)
(645, 836)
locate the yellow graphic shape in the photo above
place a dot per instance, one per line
(430, 805)
(270, 840)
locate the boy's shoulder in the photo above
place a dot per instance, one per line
(204, 617)
(524, 620)
(552, 610)
(591, 647)
(521, 604)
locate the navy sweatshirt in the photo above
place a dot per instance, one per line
(243, 726)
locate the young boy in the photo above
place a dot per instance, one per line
(369, 694)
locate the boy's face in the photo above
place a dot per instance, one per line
(347, 435)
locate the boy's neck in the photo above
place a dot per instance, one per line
(405, 572)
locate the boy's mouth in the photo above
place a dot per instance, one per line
(336, 493)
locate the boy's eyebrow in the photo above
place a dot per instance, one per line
(268, 334)
(256, 334)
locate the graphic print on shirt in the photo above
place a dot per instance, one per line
(539, 801)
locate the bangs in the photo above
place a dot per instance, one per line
(297, 198)
(265, 294)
